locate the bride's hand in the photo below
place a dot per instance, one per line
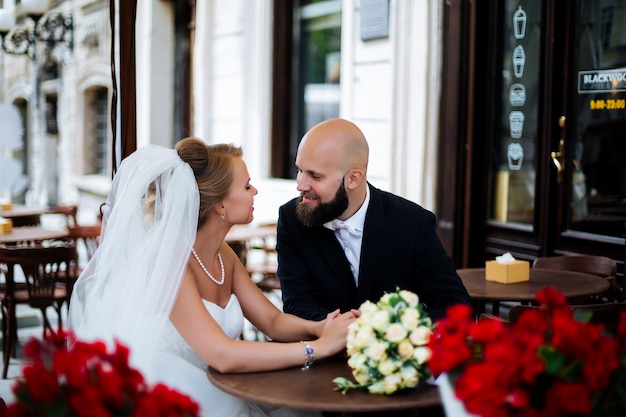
(335, 330)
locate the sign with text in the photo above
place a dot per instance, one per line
(374, 19)
(602, 81)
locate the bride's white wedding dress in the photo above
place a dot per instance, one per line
(179, 367)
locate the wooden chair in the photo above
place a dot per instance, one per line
(607, 314)
(88, 237)
(42, 267)
(260, 262)
(70, 213)
(264, 273)
(86, 240)
(597, 265)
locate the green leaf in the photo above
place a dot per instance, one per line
(572, 372)
(396, 301)
(582, 316)
(553, 359)
(344, 385)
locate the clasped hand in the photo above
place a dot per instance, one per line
(335, 328)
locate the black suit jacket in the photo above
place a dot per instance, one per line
(400, 248)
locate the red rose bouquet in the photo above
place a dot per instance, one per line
(67, 377)
(550, 363)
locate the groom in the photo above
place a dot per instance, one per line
(344, 241)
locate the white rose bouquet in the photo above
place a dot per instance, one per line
(387, 345)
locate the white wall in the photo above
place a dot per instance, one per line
(155, 72)
(390, 88)
(232, 75)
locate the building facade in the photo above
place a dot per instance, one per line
(209, 69)
(63, 94)
(477, 110)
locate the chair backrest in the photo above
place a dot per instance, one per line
(596, 265)
(607, 314)
(88, 236)
(70, 213)
(43, 267)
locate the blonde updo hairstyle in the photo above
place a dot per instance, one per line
(212, 165)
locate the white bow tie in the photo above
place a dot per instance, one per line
(339, 224)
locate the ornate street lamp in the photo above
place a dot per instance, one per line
(32, 29)
(41, 25)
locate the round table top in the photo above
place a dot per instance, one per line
(240, 233)
(571, 284)
(21, 211)
(313, 389)
(31, 233)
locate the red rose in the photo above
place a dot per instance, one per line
(448, 342)
(87, 402)
(161, 401)
(486, 331)
(551, 298)
(447, 353)
(482, 390)
(41, 384)
(621, 333)
(111, 385)
(572, 397)
(16, 410)
(598, 367)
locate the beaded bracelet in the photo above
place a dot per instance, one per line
(309, 355)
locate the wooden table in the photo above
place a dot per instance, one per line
(239, 235)
(31, 233)
(23, 215)
(572, 284)
(242, 233)
(313, 389)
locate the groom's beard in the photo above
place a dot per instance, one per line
(313, 216)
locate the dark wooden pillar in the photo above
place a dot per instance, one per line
(126, 66)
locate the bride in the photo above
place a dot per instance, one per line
(165, 283)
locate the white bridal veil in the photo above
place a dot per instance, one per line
(149, 225)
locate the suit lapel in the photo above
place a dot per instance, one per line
(374, 241)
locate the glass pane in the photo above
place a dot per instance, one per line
(515, 141)
(96, 127)
(320, 57)
(598, 183)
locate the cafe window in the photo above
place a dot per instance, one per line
(49, 70)
(306, 74)
(606, 25)
(319, 58)
(52, 127)
(21, 154)
(514, 144)
(598, 183)
(97, 144)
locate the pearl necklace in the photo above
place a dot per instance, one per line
(206, 271)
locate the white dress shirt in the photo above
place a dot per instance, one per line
(349, 233)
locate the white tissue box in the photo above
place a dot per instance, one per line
(516, 271)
